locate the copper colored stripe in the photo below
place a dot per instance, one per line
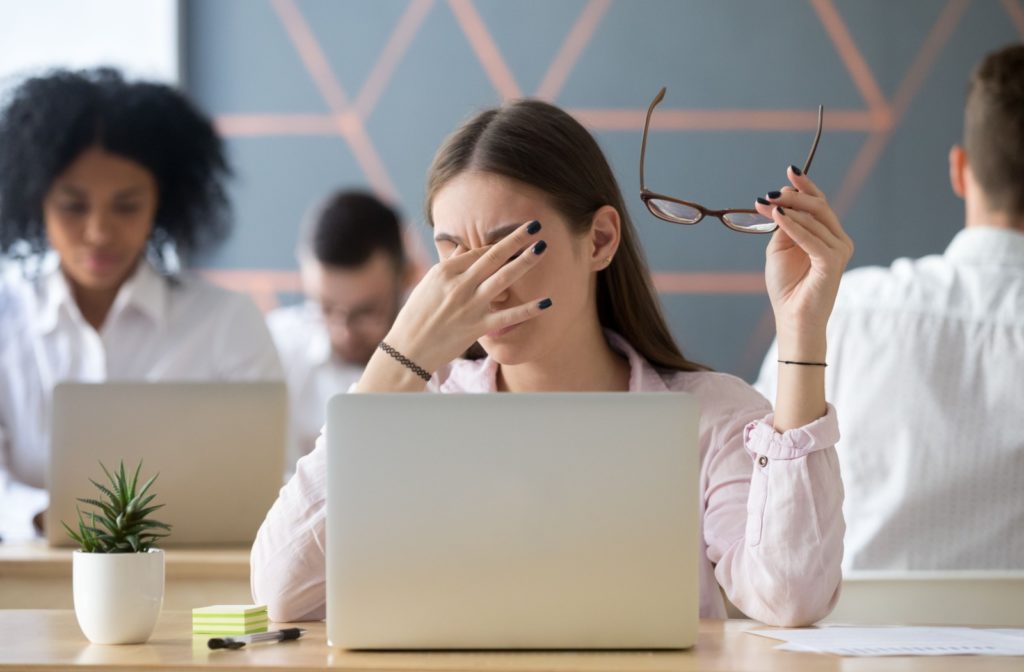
(709, 283)
(726, 120)
(485, 48)
(575, 42)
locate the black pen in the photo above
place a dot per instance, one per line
(242, 640)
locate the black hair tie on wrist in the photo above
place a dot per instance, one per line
(786, 361)
(405, 361)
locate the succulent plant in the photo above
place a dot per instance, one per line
(121, 523)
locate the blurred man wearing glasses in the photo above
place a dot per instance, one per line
(354, 274)
(926, 366)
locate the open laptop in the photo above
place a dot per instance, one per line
(218, 447)
(512, 521)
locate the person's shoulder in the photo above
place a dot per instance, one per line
(240, 342)
(12, 307)
(300, 341)
(289, 324)
(12, 291)
(465, 375)
(719, 394)
(19, 315)
(18, 297)
(905, 279)
(230, 316)
(902, 270)
(189, 292)
(288, 317)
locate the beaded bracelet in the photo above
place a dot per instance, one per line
(405, 361)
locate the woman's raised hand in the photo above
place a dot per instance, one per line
(805, 261)
(452, 306)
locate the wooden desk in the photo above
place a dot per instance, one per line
(51, 640)
(35, 576)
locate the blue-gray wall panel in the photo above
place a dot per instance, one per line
(712, 55)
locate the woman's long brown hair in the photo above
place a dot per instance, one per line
(540, 145)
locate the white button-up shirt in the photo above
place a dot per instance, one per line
(926, 369)
(314, 374)
(158, 329)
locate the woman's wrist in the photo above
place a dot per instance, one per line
(420, 354)
(396, 366)
(384, 373)
(808, 345)
(800, 396)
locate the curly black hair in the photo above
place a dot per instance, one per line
(50, 120)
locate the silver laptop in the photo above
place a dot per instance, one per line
(218, 447)
(512, 521)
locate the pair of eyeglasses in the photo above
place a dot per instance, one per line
(678, 211)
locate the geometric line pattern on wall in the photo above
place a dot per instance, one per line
(1016, 12)
(348, 116)
(265, 286)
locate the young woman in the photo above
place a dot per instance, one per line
(106, 187)
(540, 265)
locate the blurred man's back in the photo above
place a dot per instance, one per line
(926, 367)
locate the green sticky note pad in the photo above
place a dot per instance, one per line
(229, 621)
(230, 611)
(240, 629)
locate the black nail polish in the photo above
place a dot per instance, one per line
(762, 201)
(774, 194)
(796, 171)
(533, 228)
(545, 304)
(781, 211)
(540, 247)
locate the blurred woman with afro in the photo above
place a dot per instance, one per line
(108, 188)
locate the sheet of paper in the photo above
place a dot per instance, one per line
(899, 641)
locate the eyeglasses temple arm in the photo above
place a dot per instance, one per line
(643, 143)
(814, 145)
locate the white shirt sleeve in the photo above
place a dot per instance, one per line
(19, 503)
(4, 475)
(288, 564)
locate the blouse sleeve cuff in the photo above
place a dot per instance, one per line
(760, 437)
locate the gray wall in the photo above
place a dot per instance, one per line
(314, 94)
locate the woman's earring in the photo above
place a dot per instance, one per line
(608, 261)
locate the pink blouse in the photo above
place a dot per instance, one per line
(771, 515)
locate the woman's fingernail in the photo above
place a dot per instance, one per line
(774, 194)
(540, 247)
(762, 201)
(533, 228)
(796, 171)
(545, 304)
(781, 211)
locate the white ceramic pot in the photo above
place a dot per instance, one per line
(118, 595)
